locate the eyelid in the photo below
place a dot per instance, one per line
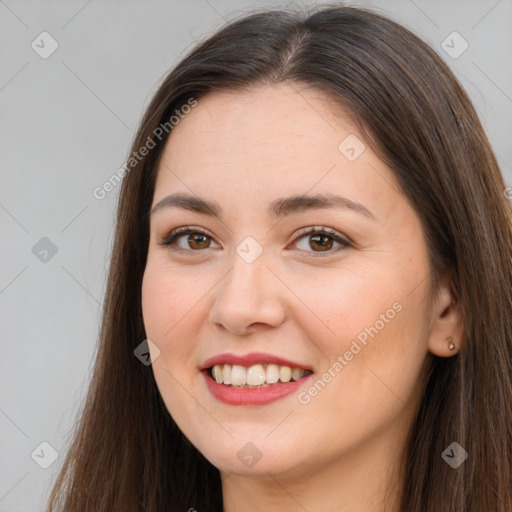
(173, 235)
(318, 229)
(338, 237)
(186, 229)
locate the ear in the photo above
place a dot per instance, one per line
(447, 328)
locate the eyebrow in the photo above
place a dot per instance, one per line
(278, 208)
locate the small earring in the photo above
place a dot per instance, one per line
(451, 345)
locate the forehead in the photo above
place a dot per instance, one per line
(265, 120)
(270, 142)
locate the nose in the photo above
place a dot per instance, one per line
(248, 299)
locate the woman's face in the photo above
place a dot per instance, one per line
(256, 288)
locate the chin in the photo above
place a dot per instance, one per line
(258, 458)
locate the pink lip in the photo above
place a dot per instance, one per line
(252, 396)
(250, 359)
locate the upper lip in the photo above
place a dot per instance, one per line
(250, 360)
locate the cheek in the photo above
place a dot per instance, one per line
(167, 319)
(371, 330)
(167, 301)
(369, 386)
(338, 305)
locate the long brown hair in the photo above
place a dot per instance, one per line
(127, 454)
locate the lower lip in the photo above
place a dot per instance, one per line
(252, 396)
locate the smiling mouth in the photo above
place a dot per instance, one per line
(255, 376)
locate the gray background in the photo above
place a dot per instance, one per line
(67, 122)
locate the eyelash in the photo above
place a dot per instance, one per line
(170, 239)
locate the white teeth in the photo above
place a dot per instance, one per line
(226, 374)
(297, 373)
(238, 375)
(272, 373)
(217, 374)
(256, 375)
(285, 374)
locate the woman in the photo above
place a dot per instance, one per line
(313, 251)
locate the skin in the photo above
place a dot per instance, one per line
(341, 450)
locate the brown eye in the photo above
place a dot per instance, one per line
(321, 242)
(187, 239)
(199, 241)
